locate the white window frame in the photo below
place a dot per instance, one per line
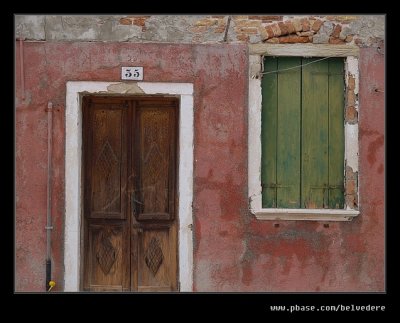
(256, 53)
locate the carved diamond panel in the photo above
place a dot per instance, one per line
(107, 160)
(155, 160)
(106, 253)
(155, 124)
(154, 256)
(154, 164)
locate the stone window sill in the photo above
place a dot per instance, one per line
(306, 214)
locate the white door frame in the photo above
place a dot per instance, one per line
(73, 165)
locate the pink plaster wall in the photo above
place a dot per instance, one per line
(232, 250)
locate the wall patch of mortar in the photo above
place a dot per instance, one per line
(131, 88)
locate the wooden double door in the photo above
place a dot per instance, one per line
(129, 180)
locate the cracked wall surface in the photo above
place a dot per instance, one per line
(233, 251)
(362, 30)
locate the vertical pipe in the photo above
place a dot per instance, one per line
(228, 23)
(21, 63)
(49, 226)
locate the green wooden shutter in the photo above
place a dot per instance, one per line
(315, 122)
(336, 133)
(268, 132)
(302, 133)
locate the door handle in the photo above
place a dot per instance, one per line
(135, 203)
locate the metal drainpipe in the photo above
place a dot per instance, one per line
(49, 226)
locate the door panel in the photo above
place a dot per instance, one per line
(155, 265)
(155, 162)
(108, 257)
(153, 200)
(129, 223)
(108, 160)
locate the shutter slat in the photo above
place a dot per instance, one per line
(289, 136)
(336, 133)
(268, 133)
(315, 135)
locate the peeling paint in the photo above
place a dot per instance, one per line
(365, 30)
(234, 251)
(351, 149)
(353, 70)
(254, 138)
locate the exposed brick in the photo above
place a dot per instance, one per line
(134, 17)
(263, 34)
(297, 24)
(305, 24)
(350, 174)
(239, 17)
(293, 39)
(305, 33)
(283, 28)
(350, 186)
(206, 22)
(222, 22)
(351, 201)
(198, 29)
(336, 31)
(276, 29)
(359, 42)
(351, 98)
(323, 34)
(335, 41)
(351, 114)
(348, 38)
(256, 17)
(218, 17)
(317, 25)
(249, 30)
(274, 40)
(351, 83)
(125, 21)
(267, 18)
(247, 23)
(342, 19)
(273, 18)
(269, 31)
(220, 29)
(290, 27)
(242, 37)
(139, 21)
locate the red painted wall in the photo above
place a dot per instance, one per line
(232, 250)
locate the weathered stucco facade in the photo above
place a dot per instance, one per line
(232, 250)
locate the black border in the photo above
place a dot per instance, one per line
(200, 305)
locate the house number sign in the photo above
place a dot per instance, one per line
(132, 73)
